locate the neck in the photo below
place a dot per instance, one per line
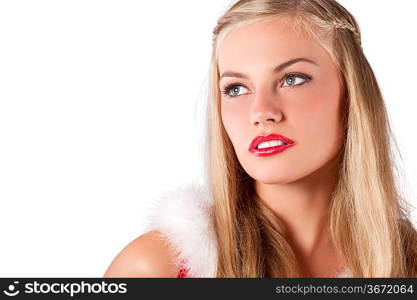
(303, 207)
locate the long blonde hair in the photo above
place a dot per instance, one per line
(369, 219)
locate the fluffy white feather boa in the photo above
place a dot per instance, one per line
(182, 215)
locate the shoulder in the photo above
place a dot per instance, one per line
(184, 215)
(149, 255)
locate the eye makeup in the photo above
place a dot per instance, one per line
(231, 85)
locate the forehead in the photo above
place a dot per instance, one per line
(262, 43)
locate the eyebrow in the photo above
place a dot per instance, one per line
(277, 69)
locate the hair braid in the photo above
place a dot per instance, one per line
(347, 26)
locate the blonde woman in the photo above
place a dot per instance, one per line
(300, 172)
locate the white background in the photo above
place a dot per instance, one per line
(100, 110)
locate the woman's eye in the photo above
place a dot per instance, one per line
(233, 91)
(290, 80)
(294, 79)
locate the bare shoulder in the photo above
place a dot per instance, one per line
(149, 255)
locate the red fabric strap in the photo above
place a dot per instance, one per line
(182, 273)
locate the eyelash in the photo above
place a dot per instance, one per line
(230, 86)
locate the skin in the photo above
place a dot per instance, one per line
(297, 183)
(147, 256)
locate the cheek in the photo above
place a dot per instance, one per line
(233, 120)
(318, 122)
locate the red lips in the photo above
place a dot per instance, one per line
(261, 139)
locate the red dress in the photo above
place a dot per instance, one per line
(182, 273)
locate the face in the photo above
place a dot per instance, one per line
(300, 100)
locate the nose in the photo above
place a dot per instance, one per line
(265, 110)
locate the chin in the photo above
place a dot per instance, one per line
(272, 177)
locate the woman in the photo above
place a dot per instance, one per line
(300, 176)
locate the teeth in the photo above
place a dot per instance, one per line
(270, 144)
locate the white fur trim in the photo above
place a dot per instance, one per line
(182, 215)
(345, 273)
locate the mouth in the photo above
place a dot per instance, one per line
(270, 144)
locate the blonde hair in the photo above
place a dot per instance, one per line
(369, 221)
